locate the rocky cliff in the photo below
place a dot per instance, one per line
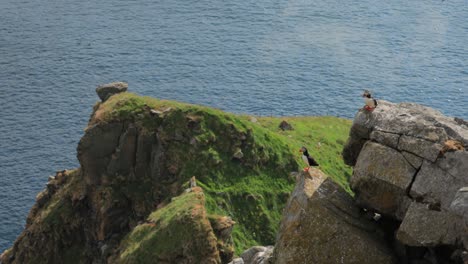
(410, 205)
(321, 224)
(130, 200)
(411, 166)
(136, 155)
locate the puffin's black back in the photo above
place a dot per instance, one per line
(311, 160)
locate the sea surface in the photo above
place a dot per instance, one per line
(264, 57)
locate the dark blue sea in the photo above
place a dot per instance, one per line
(264, 57)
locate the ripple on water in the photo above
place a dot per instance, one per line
(285, 57)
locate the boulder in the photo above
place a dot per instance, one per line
(436, 186)
(429, 228)
(381, 178)
(321, 224)
(411, 165)
(238, 154)
(237, 261)
(96, 147)
(285, 126)
(387, 139)
(257, 255)
(459, 204)
(249, 254)
(423, 130)
(158, 239)
(107, 90)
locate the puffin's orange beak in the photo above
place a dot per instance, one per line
(300, 150)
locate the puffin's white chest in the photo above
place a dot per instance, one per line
(369, 102)
(305, 159)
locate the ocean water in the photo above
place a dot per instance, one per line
(265, 57)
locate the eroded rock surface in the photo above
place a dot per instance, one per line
(411, 165)
(137, 155)
(107, 90)
(322, 224)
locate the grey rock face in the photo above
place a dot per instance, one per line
(420, 147)
(238, 154)
(414, 160)
(459, 204)
(425, 227)
(411, 165)
(257, 255)
(237, 261)
(107, 90)
(321, 224)
(436, 186)
(381, 177)
(387, 139)
(95, 148)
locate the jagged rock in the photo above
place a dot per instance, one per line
(437, 186)
(414, 160)
(96, 147)
(263, 257)
(133, 165)
(407, 154)
(387, 139)
(321, 224)
(238, 154)
(285, 126)
(459, 204)
(249, 254)
(222, 227)
(381, 178)
(461, 121)
(185, 217)
(257, 255)
(425, 227)
(420, 147)
(237, 261)
(107, 90)
(419, 126)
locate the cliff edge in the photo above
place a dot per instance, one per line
(411, 166)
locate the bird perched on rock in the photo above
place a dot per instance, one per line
(307, 159)
(371, 103)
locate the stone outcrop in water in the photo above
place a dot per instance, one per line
(321, 224)
(411, 165)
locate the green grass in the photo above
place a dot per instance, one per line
(253, 190)
(323, 136)
(179, 229)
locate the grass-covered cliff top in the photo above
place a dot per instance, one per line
(252, 189)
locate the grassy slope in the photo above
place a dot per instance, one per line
(323, 136)
(171, 231)
(253, 197)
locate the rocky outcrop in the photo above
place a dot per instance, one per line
(180, 232)
(107, 90)
(285, 126)
(136, 157)
(321, 224)
(255, 255)
(411, 165)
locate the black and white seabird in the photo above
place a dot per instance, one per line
(307, 159)
(371, 103)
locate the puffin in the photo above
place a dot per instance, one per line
(371, 103)
(307, 159)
